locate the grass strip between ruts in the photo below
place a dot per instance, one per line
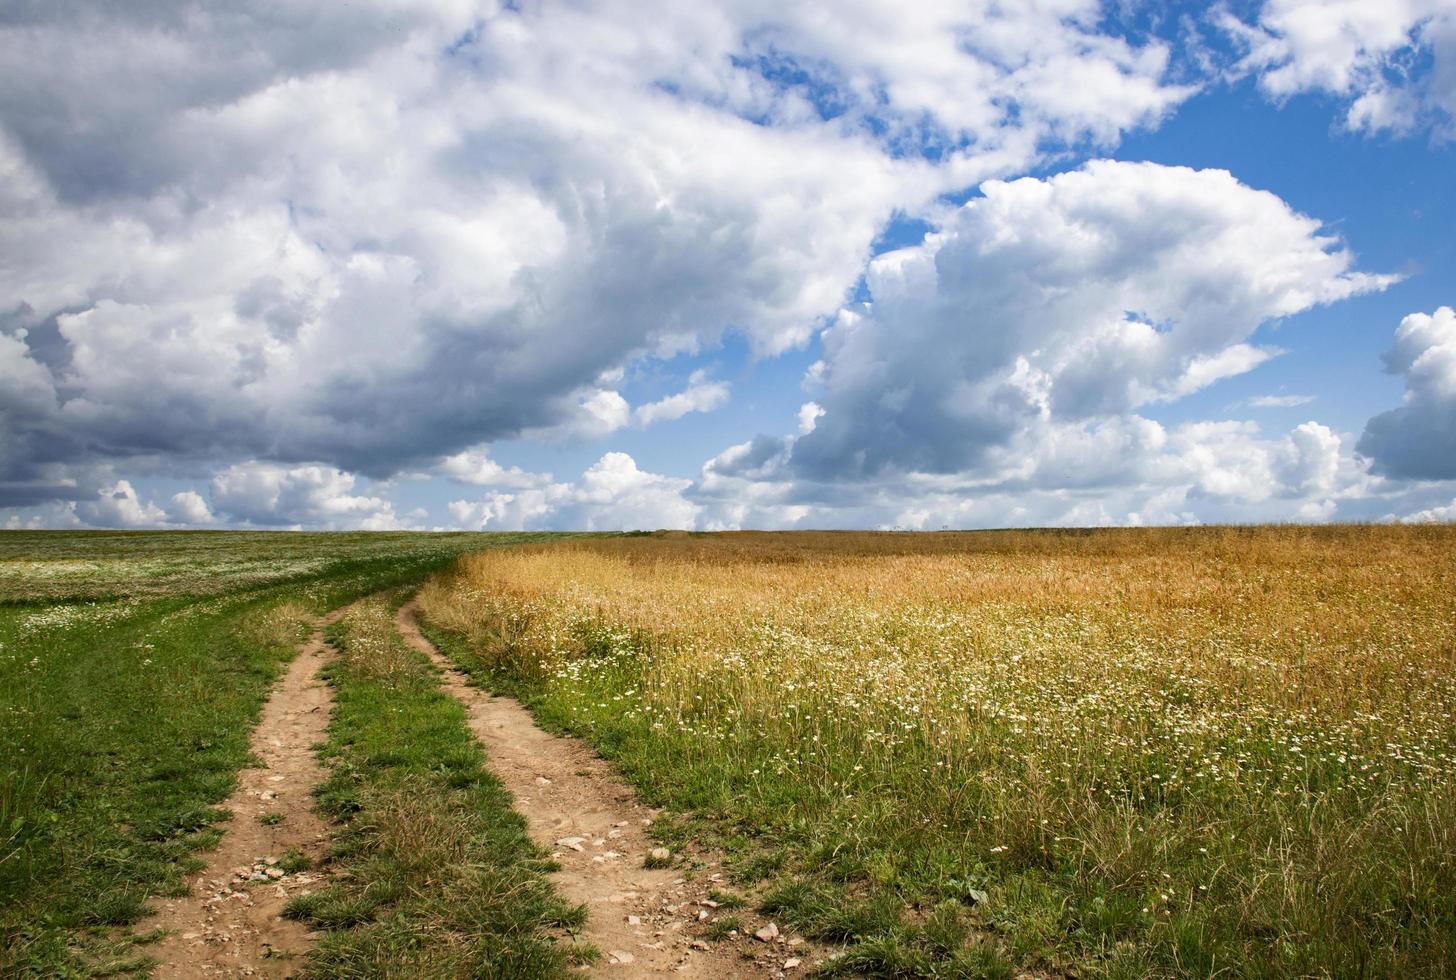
(433, 872)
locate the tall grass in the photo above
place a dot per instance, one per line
(1177, 752)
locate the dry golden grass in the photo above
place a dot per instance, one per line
(1174, 750)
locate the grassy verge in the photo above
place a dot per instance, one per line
(132, 669)
(807, 867)
(1113, 754)
(433, 874)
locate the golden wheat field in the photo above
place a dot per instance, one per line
(1190, 752)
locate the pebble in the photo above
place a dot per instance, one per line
(767, 934)
(620, 956)
(791, 962)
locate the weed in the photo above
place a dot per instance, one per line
(723, 926)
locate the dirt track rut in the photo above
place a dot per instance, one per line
(231, 925)
(646, 922)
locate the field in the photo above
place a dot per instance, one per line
(1177, 753)
(132, 667)
(1220, 752)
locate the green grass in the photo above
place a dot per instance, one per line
(433, 874)
(132, 669)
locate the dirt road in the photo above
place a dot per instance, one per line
(646, 922)
(231, 925)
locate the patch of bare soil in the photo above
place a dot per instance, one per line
(646, 922)
(231, 925)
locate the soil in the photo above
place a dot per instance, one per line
(231, 925)
(646, 922)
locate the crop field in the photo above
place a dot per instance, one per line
(1200, 752)
(132, 668)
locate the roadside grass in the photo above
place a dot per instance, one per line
(433, 873)
(132, 670)
(1179, 753)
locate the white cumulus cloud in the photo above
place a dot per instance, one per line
(1364, 51)
(1418, 440)
(1058, 301)
(701, 395)
(313, 495)
(611, 495)
(376, 234)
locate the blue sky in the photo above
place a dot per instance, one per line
(408, 264)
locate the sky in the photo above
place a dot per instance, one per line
(606, 264)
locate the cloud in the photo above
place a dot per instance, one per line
(997, 373)
(1055, 302)
(119, 506)
(1369, 54)
(1418, 440)
(612, 495)
(311, 247)
(189, 509)
(271, 495)
(377, 234)
(1439, 514)
(1123, 470)
(701, 395)
(475, 466)
(1280, 401)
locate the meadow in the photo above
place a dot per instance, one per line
(1176, 752)
(132, 669)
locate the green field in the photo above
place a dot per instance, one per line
(132, 667)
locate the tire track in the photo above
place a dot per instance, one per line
(646, 922)
(231, 925)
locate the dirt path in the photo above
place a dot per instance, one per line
(646, 922)
(232, 925)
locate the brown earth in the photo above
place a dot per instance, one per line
(231, 925)
(646, 922)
